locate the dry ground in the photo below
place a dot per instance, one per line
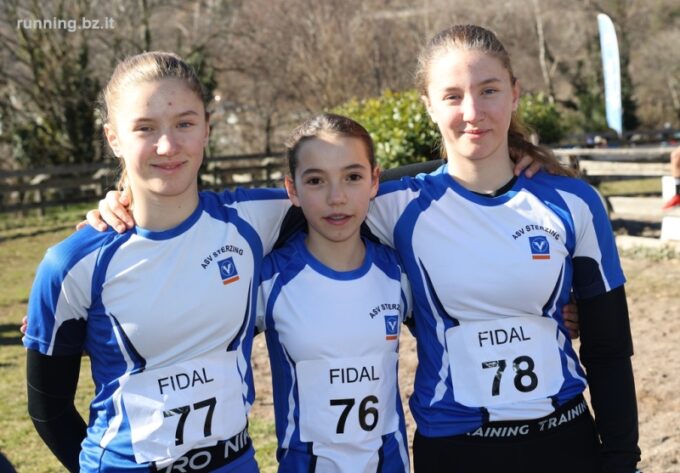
(654, 302)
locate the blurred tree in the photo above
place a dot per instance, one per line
(54, 66)
(291, 58)
(48, 87)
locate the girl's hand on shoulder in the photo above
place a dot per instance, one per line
(113, 210)
(529, 165)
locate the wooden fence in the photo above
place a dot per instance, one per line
(23, 190)
(618, 164)
(54, 186)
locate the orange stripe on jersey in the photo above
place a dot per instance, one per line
(230, 280)
(540, 256)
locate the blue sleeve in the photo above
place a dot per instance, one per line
(590, 240)
(263, 209)
(597, 268)
(61, 294)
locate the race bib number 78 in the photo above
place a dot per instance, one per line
(504, 360)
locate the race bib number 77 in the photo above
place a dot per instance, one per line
(178, 408)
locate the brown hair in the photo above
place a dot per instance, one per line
(472, 37)
(146, 67)
(326, 123)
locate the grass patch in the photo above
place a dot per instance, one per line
(54, 216)
(22, 247)
(19, 257)
(644, 186)
(663, 253)
(264, 440)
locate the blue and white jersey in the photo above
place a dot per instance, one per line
(167, 319)
(489, 278)
(333, 340)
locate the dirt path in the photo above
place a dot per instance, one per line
(654, 301)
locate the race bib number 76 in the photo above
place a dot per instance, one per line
(348, 399)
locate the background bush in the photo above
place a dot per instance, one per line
(399, 125)
(542, 116)
(403, 132)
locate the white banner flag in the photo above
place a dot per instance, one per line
(611, 72)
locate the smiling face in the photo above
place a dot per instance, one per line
(159, 128)
(333, 185)
(471, 97)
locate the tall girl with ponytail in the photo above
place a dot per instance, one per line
(492, 259)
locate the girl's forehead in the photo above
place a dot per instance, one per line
(460, 65)
(328, 148)
(157, 89)
(465, 59)
(159, 96)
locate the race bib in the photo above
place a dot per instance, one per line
(347, 399)
(178, 408)
(505, 360)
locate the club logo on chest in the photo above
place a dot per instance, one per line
(228, 271)
(540, 248)
(391, 327)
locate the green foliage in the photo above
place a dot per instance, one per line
(403, 132)
(399, 125)
(542, 116)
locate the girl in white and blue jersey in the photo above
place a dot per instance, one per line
(165, 311)
(492, 260)
(331, 305)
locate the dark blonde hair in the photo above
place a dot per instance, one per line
(472, 37)
(146, 67)
(331, 124)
